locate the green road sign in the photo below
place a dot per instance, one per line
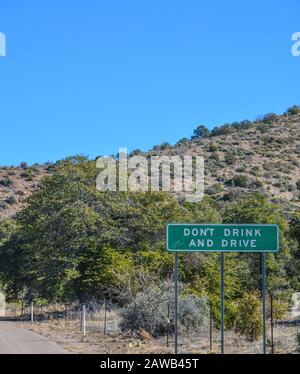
(222, 238)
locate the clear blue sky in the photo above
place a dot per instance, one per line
(92, 76)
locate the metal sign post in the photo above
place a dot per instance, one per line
(222, 303)
(272, 323)
(176, 304)
(264, 316)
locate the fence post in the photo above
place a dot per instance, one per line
(31, 311)
(83, 318)
(105, 311)
(168, 323)
(133, 320)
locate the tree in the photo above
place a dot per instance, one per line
(222, 130)
(201, 132)
(255, 208)
(70, 236)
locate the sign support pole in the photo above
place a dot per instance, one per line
(176, 304)
(263, 257)
(222, 303)
(272, 324)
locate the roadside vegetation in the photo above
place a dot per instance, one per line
(70, 243)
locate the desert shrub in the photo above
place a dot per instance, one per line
(246, 124)
(148, 309)
(213, 147)
(6, 182)
(135, 152)
(152, 309)
(193, 312)
(254, 170)
(263, 127)
(241, 169)
(23, 165)
(182, 141)
(10, 200)
(215, 156)
(269, 118)
(216, 188)
(298, 185)
(230, 159)
(248, 321)
(257, 183)
(293, 110)
(298, 342)
(28, 175)
(238, 181)
(222, 130)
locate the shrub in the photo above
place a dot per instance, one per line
(238, 181)
(222, 130)
(258, 183)
(269, 118)
(182, 141)
(10, 200)
(193, 312)
(215, 156)
(6, 182)
(135, 152)
(213, 147)
(149, 310)
(246, 124)
(293, 110)
(23, 165)
(298, 342)
(230, 158)
(248, 321)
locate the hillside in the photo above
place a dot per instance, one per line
(239, 158)
(17, 184)
(249, 156)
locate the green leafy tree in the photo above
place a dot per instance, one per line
(201, 132)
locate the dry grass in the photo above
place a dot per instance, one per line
(69, 336)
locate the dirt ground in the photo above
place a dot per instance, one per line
(70, 337)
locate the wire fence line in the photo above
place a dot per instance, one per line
(136, 320)
(107, 318)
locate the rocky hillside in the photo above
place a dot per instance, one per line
(250, 156)
(16, 184)
(239, 158)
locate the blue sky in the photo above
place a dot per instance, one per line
(92, 76)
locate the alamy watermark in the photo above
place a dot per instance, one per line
(178, 174)
(296, 45)
(2, 44)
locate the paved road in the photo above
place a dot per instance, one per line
(17, 340)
